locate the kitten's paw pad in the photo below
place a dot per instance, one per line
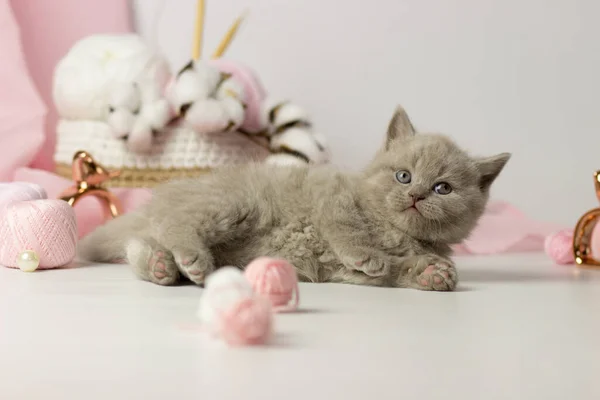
(151, 262)
(440, 276)
(194, 266)
(162, 268)
(371, 266)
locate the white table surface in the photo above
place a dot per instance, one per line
(518, 328)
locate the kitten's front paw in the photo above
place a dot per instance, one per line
(431, 273)
(371, 265)
(152, 262)
(194, 265)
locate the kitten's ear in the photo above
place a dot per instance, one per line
(399, 127)
(490, 168)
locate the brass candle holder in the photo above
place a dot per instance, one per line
(89, 177)
(583, 232)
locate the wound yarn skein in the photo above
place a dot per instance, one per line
(229, 309)
(30, 221)
(559, 247)
(275, 279)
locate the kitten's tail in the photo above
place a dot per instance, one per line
(108, 242)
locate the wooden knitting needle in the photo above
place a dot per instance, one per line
(198, 30)
(226, 41)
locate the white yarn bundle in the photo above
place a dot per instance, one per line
(230, 309)
(292, 138)
(208, 100)
(118, 79)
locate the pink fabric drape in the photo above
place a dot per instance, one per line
(48, 29)
(21, 108)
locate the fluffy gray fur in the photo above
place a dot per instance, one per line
(366, 228)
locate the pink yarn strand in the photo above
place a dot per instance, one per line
(292, 305)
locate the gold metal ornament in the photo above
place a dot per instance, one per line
(89, 178)
(583, 232)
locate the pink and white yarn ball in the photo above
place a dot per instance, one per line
(275, 279)
(31, 222)
(229, 309)
(559, 246)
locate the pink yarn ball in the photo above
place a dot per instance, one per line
(19, 191)
(229, 309)
(248, 322)
(48, 227)
(559, 246)
(276, 280)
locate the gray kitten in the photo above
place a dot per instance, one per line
(390, 225)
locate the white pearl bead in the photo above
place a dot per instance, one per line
(28, 261)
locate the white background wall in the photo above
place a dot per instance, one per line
(498, 75)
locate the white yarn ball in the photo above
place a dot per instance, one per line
(100, 69)
(125, 96)
(77, 90)
(223, 288)
(224, 277)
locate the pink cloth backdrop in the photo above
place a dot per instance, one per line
(21, 109)
(48, 30)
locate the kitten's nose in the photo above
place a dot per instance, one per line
(416, 197)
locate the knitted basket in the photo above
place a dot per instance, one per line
(178, 152)
(117, 100)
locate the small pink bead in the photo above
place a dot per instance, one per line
(559, 246)
(275, 279)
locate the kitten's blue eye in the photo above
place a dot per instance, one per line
(442, 188)
(403, 176)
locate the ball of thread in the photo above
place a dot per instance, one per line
(47, 227)
(559, 247)
(248, 322)
(275, 279)
(222, 289)
(230, 310)
(14, 192)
